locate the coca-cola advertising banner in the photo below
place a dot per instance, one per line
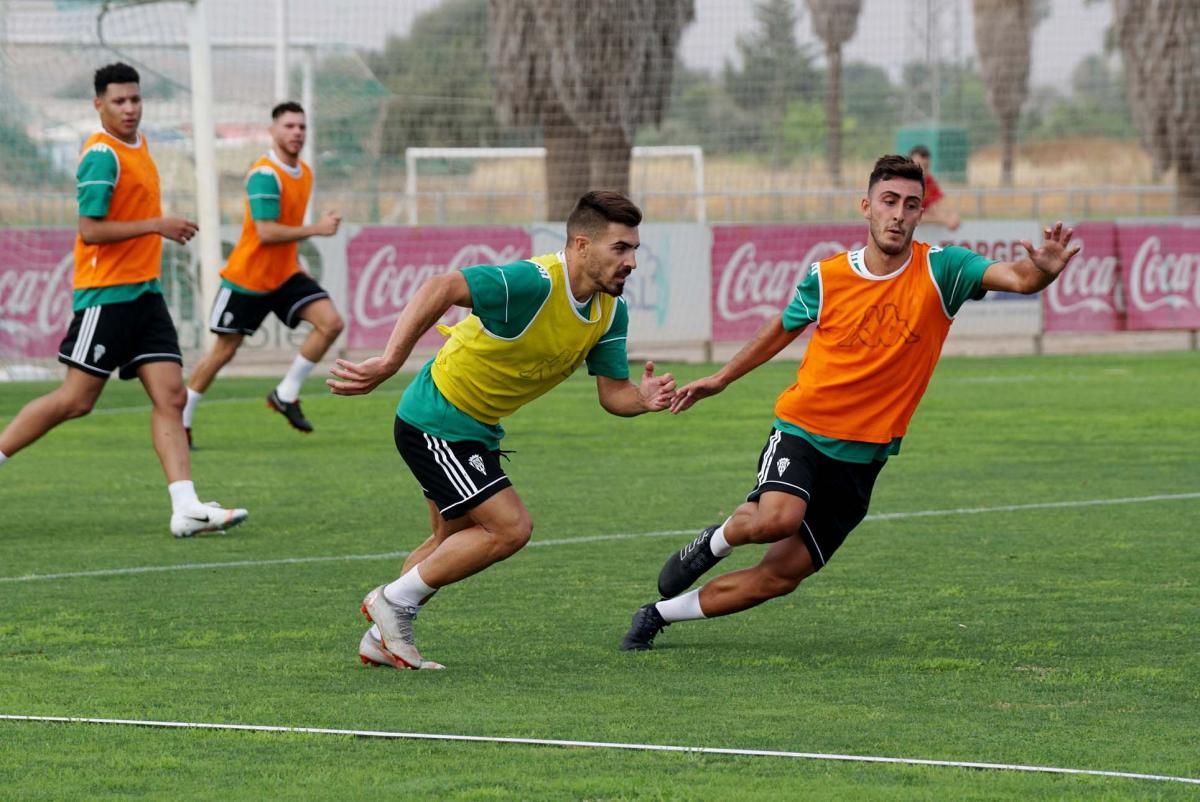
(1161, 266)
(1087, 296)
(36, 267)
(755, 270)
(387, 264)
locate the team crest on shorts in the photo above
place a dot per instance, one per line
(782, 465)
(98, 352)
(476, 462)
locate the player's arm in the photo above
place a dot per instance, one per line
(428, 304)
(768, 341)
(98, 231)
(623, 397)
(1038, 269)
(272, 232)
(96, 180)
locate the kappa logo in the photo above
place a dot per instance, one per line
(97, 353)
(476, 462)
(226, 319)
(880, 327)
(782, 465)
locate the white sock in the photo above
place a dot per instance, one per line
(289, 387)
(681, 608)
(409, 590)
(717, 544)
(3, 458)
(189, 409)
(183, 495)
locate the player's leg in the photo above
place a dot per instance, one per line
(302, 298)
(480, 520)
(155, 360)
(74, 398)
(224, 348)
(235, 315)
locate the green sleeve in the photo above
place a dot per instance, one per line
(958, 273)
(506, 297)
(805, 306)
(609, 356)
(95, 180)
(263, 192)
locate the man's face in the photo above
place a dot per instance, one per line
(893, 208)
(609, 257)
(288, 131)
(120, 109)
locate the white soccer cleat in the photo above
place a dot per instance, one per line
(395, 622)
(210, 517)
(372, 653)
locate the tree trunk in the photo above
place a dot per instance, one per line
(567, 164)
(1008, 147)
(1187, 185)
(609, 153)
(833, 114)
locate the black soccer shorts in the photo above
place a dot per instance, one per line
(455, 476)
(838, 493)
(122, 336)
(242, 313)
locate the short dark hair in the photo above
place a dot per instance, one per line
(285, 107)
(896, 166)
(596, 209)
(116, 73)
(920, 150)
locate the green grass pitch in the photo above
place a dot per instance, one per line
(1053, 636)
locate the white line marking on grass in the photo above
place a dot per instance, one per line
(147, 407)
(708, 750)
(571, 541)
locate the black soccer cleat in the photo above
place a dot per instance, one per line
(647, 622)
(687, 565)
(291, 411)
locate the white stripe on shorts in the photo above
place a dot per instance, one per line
(454, 470)
(764, 468)
(87, 330)
(214, 320)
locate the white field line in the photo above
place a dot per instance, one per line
(147, 407)
(708, 750)
(571, 541)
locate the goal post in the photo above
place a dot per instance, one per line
(413, 156)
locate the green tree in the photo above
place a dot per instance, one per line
(772, 70)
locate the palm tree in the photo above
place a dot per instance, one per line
(834, 22)
(1158, 41)
(590, 74)
(1003, 37)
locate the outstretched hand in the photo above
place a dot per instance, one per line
(1052, 257)
(692, 392)
(359, 378)
(656, 392)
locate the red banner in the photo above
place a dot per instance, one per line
(1087, 296)
(1161, 275)
(756, 269)
(387, 264)
(36, 267)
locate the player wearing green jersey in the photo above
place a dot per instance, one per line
(533, 323)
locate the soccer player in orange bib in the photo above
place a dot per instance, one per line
(881, 315)
(263, 274)
(121, 321)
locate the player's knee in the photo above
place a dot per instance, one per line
(513, 536)
(77, 406)
(773, 584)
(334, 327)
(771, 525)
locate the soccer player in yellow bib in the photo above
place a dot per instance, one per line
(881, 315)
(263, 274)
(533, 323)
(121, 321)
